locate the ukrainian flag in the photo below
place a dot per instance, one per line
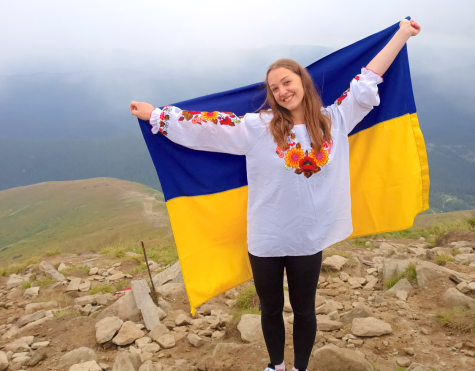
(206, 192)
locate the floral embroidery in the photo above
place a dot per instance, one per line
(304, 162)
(293, 156)
(198, 117)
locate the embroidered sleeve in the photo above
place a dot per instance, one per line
(206, 131)
(357, 101)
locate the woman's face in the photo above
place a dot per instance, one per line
(287, 88)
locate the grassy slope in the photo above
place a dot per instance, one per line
(77, 215)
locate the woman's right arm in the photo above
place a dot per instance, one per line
(208, 131)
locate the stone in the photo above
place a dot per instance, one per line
(403, 285)
(79, 355)
(172, 274)
(31, 317)
(49, 271)
(147, 366)
(115, 276)
(125, 308)
(370, 285)
(140, 343)
(195, 340)
(401, 295)
(104, 299)
(417, 367)
(158, 331)
(454, 298)
(85, 286)
(20, 345)
(145, 304)
(37, 356)
(427, 272)
(183, 320)
(355, 281)
(335, 262)
(85, 300)
(35, 307)
(250, 328)
(14, 281)
(74, 284)
(39, 344)
(3, 361)
(127, 334)
(465, 258)
(393, 267)
(106, 328)
(93, 271)
(344, 276)
(370, 326)
(166, 341)
(32, 291)
(328, 307)
(151, 348)
(324, 323)
(21, 360)
(332, 358)
(161, 313)
(403, 361)
(171, 290)
(361, 311)
(86, 366)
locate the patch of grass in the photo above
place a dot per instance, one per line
(122, 285)
(458, 319)
(17, 267)
(400, 368)
(456, 252)
(53, 252)
(138, 269)
(44, 281)
(240, 313)
(409, 274)
(432, 368)
(26, 284)
(102, 288)
(443, 258)
(245, 298)
(65, 312)
(73, 268)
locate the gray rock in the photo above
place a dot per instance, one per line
(171, 290)
(151, 348)
(393, 267)
(370, 326)
(104, 299)
(358, 312)
(147, 366)
(14, 281)
(79, 355)
(195, 340)
(20, 345)
(403, 285)
(427, 272)
(30, 318)
(85, 286)
(172, 274)
(158, 331)
(144, 302)
(39, 344)
(93, 271)
(49, 270)
(85, 300)
(74, 284)
(454, 298)
(37, 356)
(183, 320)
(127, 362)
(32, 291)
(324, 323)
(332, 358)
(127, 334)
(417, 367)
(3, 361)
(465, 258)
(106, 329)
(86, 366)
(125, 308)
(403, 361)
(35, 307)
(166, 341)
(250, 328)
(335, 262)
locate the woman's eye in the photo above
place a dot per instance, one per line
(287, 82)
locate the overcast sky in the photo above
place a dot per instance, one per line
(35, 33)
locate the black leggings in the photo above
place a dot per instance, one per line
(302, 276)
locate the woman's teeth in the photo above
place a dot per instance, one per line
(288, 99)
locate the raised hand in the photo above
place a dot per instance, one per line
(411, 27)
(141, 110)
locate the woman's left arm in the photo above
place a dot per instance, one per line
(386, 56)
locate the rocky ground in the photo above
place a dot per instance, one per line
(54, 316)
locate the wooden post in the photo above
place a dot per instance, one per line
(154, 294)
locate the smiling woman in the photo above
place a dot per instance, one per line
(298, 195)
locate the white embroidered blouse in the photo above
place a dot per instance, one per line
(299, 201)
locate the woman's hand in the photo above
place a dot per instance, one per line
(411, 27)
(141, 110)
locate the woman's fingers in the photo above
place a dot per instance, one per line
(134, 107)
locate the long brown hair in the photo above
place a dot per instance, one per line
(318, 124)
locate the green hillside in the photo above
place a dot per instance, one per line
(81, 215)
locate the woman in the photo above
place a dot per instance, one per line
(297, 158)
